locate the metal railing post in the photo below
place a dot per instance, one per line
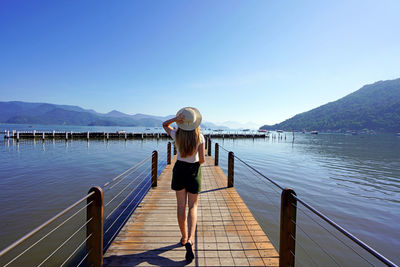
(216, 154)
(209, 146)
(230, 168)
(154, 168)
(169, 153)
(287, 243)
(94, 244)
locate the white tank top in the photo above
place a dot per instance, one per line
(195, 156)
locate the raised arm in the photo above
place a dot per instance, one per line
(166, 124)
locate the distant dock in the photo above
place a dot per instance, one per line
(66, 135)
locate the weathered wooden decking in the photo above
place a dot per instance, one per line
(227, 233)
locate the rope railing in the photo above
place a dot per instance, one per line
(288, 208)
(141, 178)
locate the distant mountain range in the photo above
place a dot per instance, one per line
(238, 125)
(52, 114)
(373, 107)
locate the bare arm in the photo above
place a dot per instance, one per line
(166, 124)
(201, 153)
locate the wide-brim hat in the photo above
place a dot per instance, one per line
(192, 118)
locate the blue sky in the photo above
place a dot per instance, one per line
(260, 61)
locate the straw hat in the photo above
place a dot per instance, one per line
(192, 118)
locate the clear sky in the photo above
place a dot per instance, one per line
(260, 61)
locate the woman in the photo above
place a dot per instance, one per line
(186, 174)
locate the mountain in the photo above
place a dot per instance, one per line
(210, 125)
(239, 125)
(138, 116)
(52, 114)
(59, 116)
(45, 113)
(117, 114)
(374, 107)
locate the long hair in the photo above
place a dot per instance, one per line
(187, 141)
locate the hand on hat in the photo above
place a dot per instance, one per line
(180, 118)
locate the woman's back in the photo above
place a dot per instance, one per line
(195, 156)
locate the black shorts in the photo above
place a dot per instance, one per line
(187, 176)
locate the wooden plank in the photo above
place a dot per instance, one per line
(227, 233)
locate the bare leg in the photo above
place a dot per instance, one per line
(193, 200)
(181, 197)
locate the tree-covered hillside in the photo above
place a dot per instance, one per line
(373, 107)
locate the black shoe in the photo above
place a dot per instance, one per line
(189, 252)
(181, 242)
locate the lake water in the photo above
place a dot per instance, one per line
(355, 180)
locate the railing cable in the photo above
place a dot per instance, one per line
(308, 255)
(87, 254)
(267, 196)
(128, 193)
(254, 169)
(69, 238)
(132, 168)
(120, 192)
(77, 248)
(295, 258)
(256, 175)
(346, 233)
(316, 243)
(126, 206)
(46, 235)
(333, 234)
(127, 175)
(127, 217)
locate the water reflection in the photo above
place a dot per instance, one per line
(367, 162)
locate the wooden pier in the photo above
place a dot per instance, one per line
(227, 233)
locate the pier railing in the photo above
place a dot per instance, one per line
(64, 241)
(289, 222)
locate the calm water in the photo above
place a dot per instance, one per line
(355, 180)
